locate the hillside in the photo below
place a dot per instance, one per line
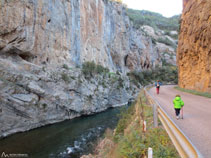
(162, 31)
(155, 20)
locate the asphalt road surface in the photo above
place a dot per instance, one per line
(197, 116)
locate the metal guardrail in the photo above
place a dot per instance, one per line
(182, 143)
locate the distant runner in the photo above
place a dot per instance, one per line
(178, 104)
(157, 85)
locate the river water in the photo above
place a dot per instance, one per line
(68, 139)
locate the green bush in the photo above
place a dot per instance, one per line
(125, 119)
(104, 84)
(112, 74)
(90, 97)
(164, 74)
(121, 83)
(44, 106)
(65, 66)
(100, 69)
(169, 34)
(136, 144)
(90, 69)
(65, 77)
(167, 42)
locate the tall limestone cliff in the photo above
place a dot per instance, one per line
(72, 32)
(194, 49)
(43, 45)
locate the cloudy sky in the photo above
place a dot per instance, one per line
(167, 8)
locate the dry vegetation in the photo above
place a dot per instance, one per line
(129, 141)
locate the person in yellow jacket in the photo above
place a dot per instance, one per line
(178, 104)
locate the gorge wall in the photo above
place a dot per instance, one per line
(42, 47)
(194, 49)
(72, 32)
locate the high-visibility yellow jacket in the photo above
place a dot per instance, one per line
(178, 103)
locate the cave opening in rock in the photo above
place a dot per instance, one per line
(25, 57)
(125, 60)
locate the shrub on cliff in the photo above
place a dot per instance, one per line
(65, 66)
(167, 42)
(65, 77)
(168, 33)
(90, 69)
(164, 74)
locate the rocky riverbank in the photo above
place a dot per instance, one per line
(41, 96)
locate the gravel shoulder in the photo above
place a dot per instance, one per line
(197, 116)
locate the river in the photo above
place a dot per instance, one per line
(68, 139)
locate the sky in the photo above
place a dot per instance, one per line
(167, 8)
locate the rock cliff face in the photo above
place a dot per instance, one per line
(57, 32)
(42, 47)
(194, 49)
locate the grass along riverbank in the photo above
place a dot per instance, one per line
(130, 141)
(204, 94)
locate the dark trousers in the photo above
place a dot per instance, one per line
(177, 111)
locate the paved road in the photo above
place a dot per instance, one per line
(197, 116)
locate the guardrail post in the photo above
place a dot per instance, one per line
(150, 153)
(144, 126)
(155, 115)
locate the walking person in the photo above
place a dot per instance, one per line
(178, 104)
(157, 85)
